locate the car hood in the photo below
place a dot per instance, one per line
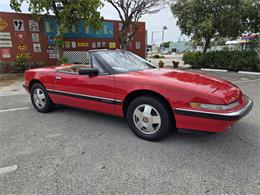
(192, 81)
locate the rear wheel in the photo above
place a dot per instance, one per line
(40, 99)
(149, 118)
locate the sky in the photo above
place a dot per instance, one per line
(154, 22)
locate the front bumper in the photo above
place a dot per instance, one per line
(26, 87)
(229, 116)
(210, 121)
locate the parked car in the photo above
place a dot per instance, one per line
(153, 100)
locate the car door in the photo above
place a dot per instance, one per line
(88, 92)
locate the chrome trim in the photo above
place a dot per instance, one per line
(102, 99)
(215, 115)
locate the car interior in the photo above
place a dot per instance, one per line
(74, 68)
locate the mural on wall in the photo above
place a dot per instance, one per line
(23, 37)
(79, 30)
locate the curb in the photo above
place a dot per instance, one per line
(223, 70)
(214, 70)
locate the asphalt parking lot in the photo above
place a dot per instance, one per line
(71, 151)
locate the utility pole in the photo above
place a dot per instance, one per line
(152, 42)
(164, 28)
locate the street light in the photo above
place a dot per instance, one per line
(164, 28)
(152, 42)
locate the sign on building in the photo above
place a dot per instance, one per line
(18, 25)
(35, 37)
(53, 55)
(33, 25)
(3, 24)
(37, 47)
(20, 36)
(5, 35)
(6, 43)
(22, 47)
(6, 53)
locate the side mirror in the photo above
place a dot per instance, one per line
(88, 71)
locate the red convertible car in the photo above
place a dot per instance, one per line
(153, 100)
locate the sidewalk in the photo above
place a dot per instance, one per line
(168, 61)
(11, 84)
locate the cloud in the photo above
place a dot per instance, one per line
(154, 22)
(4, 4)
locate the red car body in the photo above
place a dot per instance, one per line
(111, 93)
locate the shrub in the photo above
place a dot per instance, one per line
(5, 67)
(192, 58)
(63, 60)
(20, 65)
(230, 60)
(158, 56)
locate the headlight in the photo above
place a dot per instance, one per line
(214, 106)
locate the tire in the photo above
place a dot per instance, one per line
(40, 99)
(149, 118)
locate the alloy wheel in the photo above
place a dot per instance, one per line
(147, 119)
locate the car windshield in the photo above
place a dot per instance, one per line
(124, 61)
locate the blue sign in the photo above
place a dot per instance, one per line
(79, 30)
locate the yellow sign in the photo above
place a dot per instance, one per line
(22, 47)
(82, 44)
(112, 45)
(3, 24)
(23, 55)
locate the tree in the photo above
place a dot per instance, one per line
(66, 13)
(130, 11)
(211, 19)
(251, 15)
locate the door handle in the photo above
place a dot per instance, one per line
(58, 78)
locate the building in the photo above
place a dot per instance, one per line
(23, 37)
(180, 46)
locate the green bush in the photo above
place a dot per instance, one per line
(158, 56)
(192, 58)
(230, 60)
(18, 66)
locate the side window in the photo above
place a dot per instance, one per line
(95, 64)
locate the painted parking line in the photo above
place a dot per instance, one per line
(14, 109)
(53, 135)
(6, 94)
(214, 70)
(8, 169)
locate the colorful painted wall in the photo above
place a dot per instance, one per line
(21, 36)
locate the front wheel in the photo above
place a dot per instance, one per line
(149, 118)
(40, 99)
